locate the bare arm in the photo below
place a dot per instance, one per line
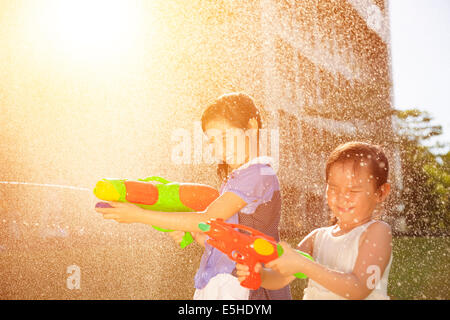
(373, 257)
(223, 207)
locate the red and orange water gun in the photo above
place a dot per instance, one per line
(245, 248)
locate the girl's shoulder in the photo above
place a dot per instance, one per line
(262, 160)
(378, 226)
(377, 230)
(258, 170)
(255, 183)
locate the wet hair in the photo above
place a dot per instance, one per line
(237, 109)
(367, 154)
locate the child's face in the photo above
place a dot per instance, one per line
(351, 192)
(228, 142)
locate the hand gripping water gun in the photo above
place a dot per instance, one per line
(163, 195)
(247, 249)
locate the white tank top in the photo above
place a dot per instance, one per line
(339, 253)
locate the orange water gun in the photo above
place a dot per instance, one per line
(245, 248)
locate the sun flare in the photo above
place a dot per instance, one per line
(87, 30)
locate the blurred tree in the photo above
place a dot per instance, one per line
(426, 174)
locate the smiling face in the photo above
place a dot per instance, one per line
(351, 192)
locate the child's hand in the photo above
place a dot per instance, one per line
(121, 212)
(289, 263)
(177, 236)
(242, 271)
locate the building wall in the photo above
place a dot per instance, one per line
(319, 69)
(328, 73)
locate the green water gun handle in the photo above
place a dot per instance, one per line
(298, 275)
(187, 238)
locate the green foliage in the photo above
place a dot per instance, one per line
(420, 268)
(426, 175)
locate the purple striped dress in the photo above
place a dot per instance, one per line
(257, 184)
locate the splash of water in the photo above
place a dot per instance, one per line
(45, 185)
(58, 230)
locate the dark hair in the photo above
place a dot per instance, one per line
(237, 108)
(359, 152)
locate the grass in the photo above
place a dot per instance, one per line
(420, 268)
(159, 270)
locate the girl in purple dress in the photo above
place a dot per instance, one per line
(249, 195)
